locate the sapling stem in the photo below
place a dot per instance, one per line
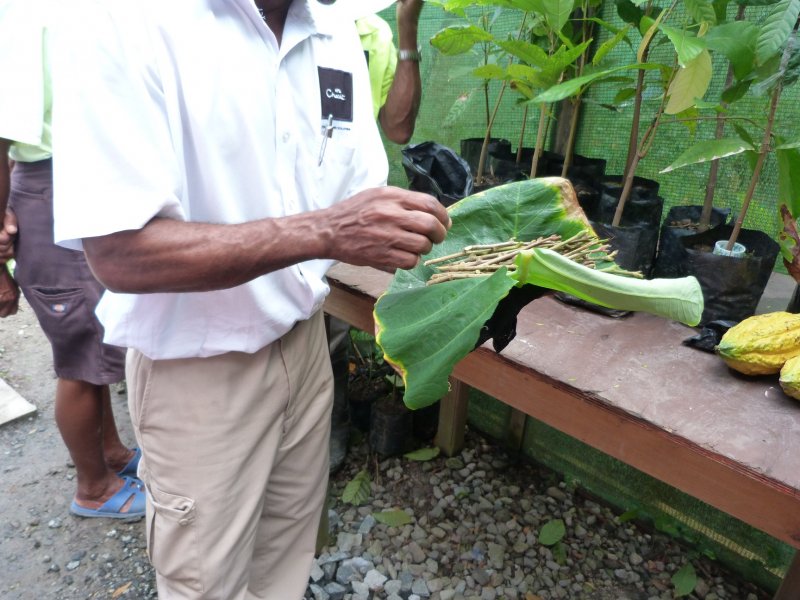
(582, 248)
(765, 142)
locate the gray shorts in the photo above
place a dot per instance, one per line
(58, 284)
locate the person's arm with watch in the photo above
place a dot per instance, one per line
(399, 114)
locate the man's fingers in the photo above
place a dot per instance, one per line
(10, 222)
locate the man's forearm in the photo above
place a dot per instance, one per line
(384, 228)
(399, 114)
(176, 256)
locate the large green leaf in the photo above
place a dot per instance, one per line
(459, 39)
(709, 150)
(610, 44)
(702, 11)
(490, 72)
(687, 45)
(690, 84)
(571, 87)
(629, 12)
(737, 41)
(528, 53)
(425, 330)
(776, 29)
(557, 12)
(679, 299)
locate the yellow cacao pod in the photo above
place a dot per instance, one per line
(790, 377)
(760, 345)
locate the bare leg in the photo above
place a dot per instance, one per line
(80, 416)
(116, 453)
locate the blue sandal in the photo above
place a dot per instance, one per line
(111, 509)
(133, 464)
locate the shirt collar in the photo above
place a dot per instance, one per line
(321, 18)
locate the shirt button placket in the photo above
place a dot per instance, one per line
(287, 150)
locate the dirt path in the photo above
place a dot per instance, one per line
(45, 552)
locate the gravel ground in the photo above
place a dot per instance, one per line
(473, 530)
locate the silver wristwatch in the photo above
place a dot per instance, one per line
(414, 55)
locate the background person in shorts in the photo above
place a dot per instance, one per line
(57, 282)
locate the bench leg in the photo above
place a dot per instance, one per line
(790, 588)
(453, 418)
(516, 430)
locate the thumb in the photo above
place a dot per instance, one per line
(10, 222)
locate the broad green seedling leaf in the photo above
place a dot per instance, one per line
(776, 29)
(687, 45)
(571, 87)
(709, 150)
(679, 299)
(425, 330)
(610, 44)
(737, 41)
(702, 11)
(459, 39)
(690, 84)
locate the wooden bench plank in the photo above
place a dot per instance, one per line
(630, 389)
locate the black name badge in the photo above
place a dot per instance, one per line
(336, 94)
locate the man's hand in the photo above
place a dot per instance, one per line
(386, 228)
(7, 235)
(9, 293)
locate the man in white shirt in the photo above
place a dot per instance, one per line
(213, 159)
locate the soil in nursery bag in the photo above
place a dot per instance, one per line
(470, 150)
(672, 258)
(391, 427)
(731, 286)
(437, 170)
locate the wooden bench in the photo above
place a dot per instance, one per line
(629, 388)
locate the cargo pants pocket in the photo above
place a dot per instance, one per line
(172, 538)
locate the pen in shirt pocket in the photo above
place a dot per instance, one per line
(327, 132)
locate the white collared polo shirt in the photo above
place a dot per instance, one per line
(189, 109)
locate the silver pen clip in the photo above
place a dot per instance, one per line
(327, 133)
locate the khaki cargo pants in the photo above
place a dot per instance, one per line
(235, 459)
